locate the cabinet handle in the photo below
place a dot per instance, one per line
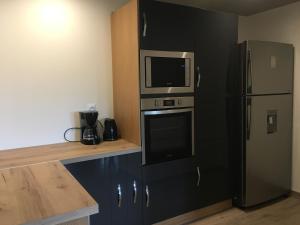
(147, 196)
(119, 196)
(145, 25)
(249, 115)
(249, 73)
(199, 77)
(134, 192)
(199, 176)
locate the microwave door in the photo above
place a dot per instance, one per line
(166, 72)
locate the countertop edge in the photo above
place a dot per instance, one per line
(65, 152)
(66, 217)
(100, 156)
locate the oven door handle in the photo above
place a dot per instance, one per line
(171, 111)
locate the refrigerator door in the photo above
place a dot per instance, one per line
(270, 68)
(268, 147)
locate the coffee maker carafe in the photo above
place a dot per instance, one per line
(90, 131)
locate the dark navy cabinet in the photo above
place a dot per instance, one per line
(115, 183)
(167, 27)
(212, 37)
(126, 185)
(93, 176)
(170, 189)
(216, 39)
(135, 189)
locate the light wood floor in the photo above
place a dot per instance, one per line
(284, 212)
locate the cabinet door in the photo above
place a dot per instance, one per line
(169, 190)
(215, 187)
(126, 195)
(165, 26)
(119, 199)
(216, 38)
(134, 188)
(93, 176)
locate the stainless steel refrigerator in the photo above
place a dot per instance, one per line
(264, 136)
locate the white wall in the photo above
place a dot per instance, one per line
(55, 58)
(281, 25)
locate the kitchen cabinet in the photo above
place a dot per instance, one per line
(134, 172)
(216, 39)
(166, 26)
(126, 189)
(215, 187)
(170, 189)
(92, 175)
(212, 37)
(115, 183)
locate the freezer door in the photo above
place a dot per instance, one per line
(270, 68)
(268, 147)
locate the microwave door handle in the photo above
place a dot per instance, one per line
(148, 72)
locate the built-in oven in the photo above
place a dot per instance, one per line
(167, 129)
(166, 72)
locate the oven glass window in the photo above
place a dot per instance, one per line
(168, 136)
(168, 72)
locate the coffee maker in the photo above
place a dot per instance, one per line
(90, 130)
(110, 130)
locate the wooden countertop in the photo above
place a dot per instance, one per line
(65, 152)
(44, 193)
(35, 188)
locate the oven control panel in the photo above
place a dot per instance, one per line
(166, 103)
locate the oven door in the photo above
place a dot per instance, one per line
(166, 72)
(167, 135)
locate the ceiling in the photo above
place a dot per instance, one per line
(240, 7)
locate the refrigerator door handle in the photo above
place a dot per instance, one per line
(249, 115)
(249, 72)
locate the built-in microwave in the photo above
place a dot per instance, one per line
(167, 129)
(164, 72)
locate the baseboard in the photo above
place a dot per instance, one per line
(295, 194)
(197, 214)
